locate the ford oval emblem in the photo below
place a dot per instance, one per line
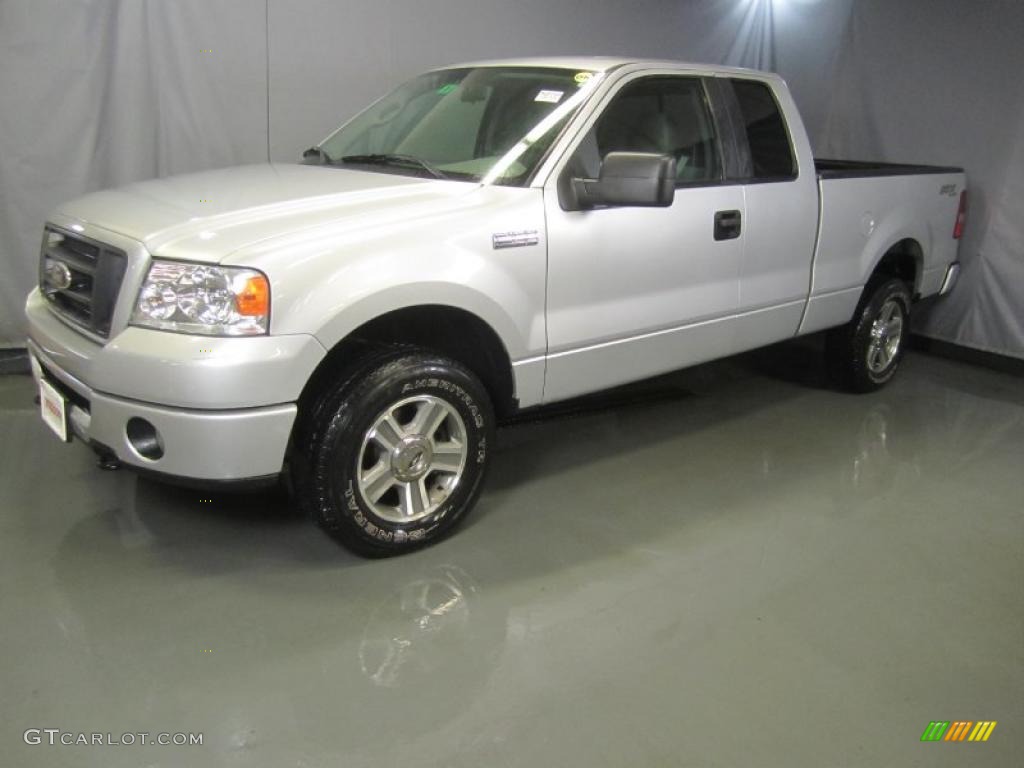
(58, 276)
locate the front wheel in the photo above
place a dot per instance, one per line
(394, 457)
(865, 353)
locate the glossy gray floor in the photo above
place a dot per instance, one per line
(741, 567)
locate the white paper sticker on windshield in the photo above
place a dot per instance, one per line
(550, 97)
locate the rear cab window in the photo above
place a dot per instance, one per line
(771, 150)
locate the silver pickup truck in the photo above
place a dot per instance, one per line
(486, 238)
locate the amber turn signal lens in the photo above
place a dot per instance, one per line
(254, 298)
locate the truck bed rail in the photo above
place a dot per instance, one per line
(853, 169)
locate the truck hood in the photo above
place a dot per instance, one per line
(208, 216)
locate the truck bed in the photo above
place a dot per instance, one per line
(865, 210)
(856, 169)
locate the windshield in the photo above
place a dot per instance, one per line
(487, 124)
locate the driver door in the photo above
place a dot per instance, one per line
(634, 292)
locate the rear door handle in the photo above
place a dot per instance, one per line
(728, 225)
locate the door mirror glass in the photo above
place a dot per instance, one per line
(629, 179)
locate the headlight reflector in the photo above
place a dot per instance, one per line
(204, 299)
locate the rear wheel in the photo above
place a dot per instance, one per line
(393, 457)
(865, 353)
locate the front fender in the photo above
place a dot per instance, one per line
(512, 333)
(331, 280)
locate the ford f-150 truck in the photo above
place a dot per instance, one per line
(486, 238)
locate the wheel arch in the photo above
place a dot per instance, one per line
(904, 259)
(446, 329)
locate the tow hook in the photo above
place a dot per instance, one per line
(108, 462)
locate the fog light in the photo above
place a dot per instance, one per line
(145, 439)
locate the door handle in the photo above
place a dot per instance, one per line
(728, 225)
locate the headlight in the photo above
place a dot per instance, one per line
(205, 299)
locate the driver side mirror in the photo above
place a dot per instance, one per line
(641, 179)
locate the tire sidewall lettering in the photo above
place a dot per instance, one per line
(389, 535)
(450, 388)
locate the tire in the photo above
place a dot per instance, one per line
(393, 456)
(864, 354)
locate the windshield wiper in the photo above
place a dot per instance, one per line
(392, 159)
(313, 154)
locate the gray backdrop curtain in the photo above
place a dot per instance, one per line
(95, 93)
(940, 82)
(100, 93)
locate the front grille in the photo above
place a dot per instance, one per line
(81, 277)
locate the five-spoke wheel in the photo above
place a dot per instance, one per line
(886, 336)
(412, 458)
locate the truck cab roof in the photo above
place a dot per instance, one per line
(608, 63)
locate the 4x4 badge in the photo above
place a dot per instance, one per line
(515, 239)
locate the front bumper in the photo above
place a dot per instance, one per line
(223, 408)
(198, 445)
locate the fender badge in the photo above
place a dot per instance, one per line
(515, 239)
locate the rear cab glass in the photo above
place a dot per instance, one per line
(771, 150)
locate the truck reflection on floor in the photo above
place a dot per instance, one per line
(406, 631)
